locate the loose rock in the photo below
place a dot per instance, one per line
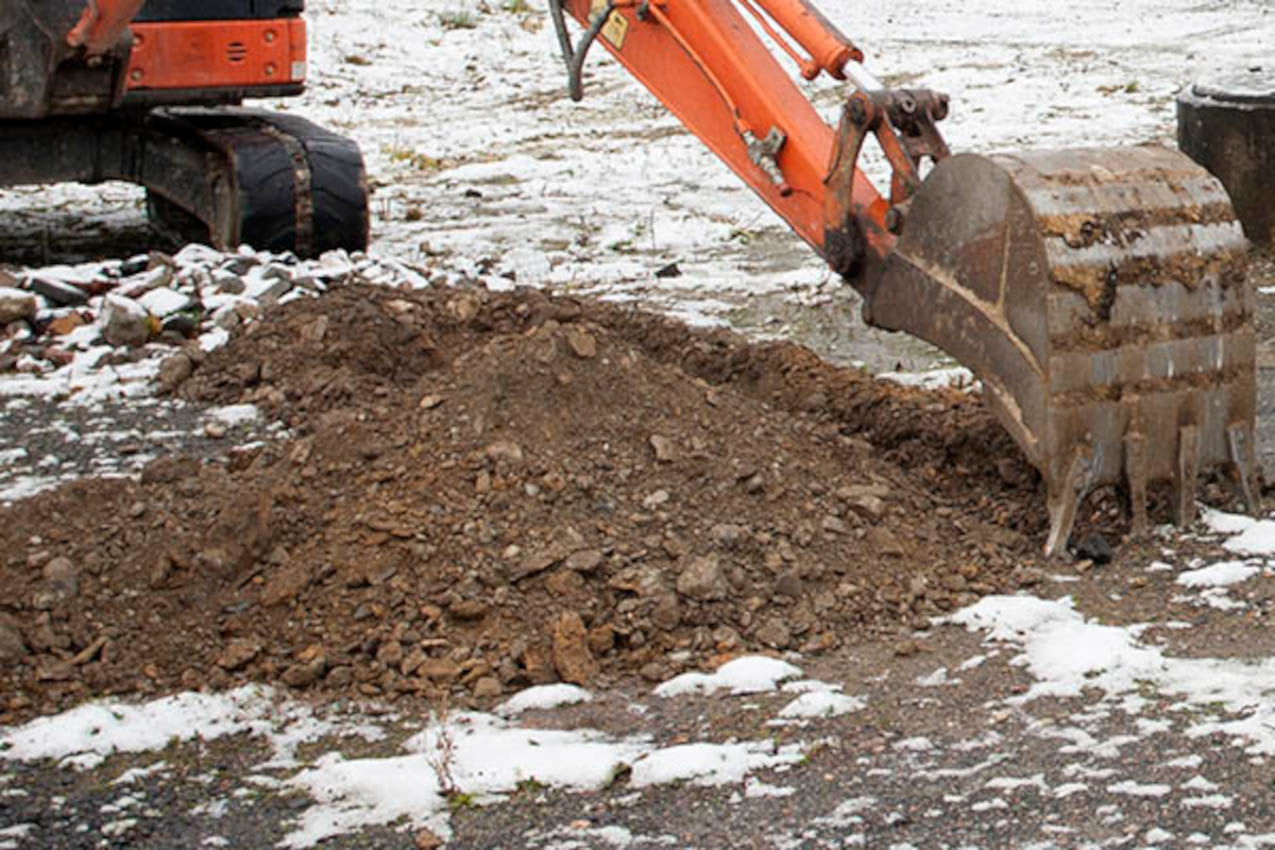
(703, 579)
(571, 656)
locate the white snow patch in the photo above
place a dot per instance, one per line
(1208, 801)
(84, 736)
(711, 764)
(821, 704)
(1256, 539)
(234, 414)
(543, 696)
(754, 787)
(1221, 574)
(933, 680)
(163, 301)
(1136, 789)
(932, 379)
(136, 773)
(1221, 522)
(748, 675)
(1067, 655)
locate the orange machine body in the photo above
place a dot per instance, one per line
(212, 54)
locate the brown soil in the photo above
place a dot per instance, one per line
(487, 490)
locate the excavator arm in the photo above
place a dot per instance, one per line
(101, 24)
(703, 60)
(1098, 295)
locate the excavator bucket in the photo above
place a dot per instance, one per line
(1100, 297)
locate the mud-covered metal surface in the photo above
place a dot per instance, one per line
(1140, 366)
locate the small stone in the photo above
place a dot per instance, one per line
(390, 653)
(584, 561)
(183, 324)
(286, 583)
(789, 584)
(439, 669)
(908, 648)
(227, 318)
(12, 647)
(228, 282)
(654, 671)
(174, 371)
(867, 505)
(16, 305)
(728, 534)
(582, 343)
(463, 307)
(703, 579)
(601, 639)
(63, 325)
(238, 654)
(655, 500)
(487, 687)
(304, 674)
(426, 840)
(1026, 577)
(666, 614)
(564, 583)
(339, 677)
(429, 402)
(1094, 548)
(63, 576)
(774, 633)
(505, 450)
(58, 356)
(125, 322)
(883, 541)
(571, 656)
(215, 429)
(468, 609)
(536, 562)
(59, 292)
(665, 449)
(835, 525)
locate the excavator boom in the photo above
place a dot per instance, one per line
(1099, 295)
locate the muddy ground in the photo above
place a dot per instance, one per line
(482, 491)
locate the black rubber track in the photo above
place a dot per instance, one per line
(273, 157)
(338, 184)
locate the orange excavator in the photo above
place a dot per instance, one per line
(1099, 296)
(147, 91)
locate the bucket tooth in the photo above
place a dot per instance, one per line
(1188, 472)
(1064, 498)
(1135, 472)
(1101, 298)
(1239, 439)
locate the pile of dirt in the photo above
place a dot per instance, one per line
(485, 490)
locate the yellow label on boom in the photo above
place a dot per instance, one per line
(616, 29)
